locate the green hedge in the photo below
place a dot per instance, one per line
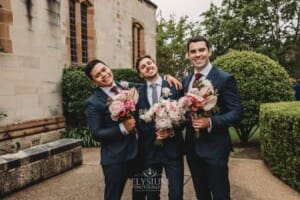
(280, 140)
(259, 80)
(76, 89)
(130, 75)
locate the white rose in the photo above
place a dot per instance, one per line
(166, 92)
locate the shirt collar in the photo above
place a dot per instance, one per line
(205, 70)
(107, 88)
(157, 82)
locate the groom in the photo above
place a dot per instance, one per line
(207, 156)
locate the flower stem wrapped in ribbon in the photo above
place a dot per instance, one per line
(200, 101)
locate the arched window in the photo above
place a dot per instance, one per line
(72, 21)
(79, 44)
(84, 41)
(138, 45)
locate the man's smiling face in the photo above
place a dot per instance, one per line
(199, 54)
(147, 69)
(102, 75)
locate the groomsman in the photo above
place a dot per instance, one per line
(118, 145)
(168, 156)
(207, 155)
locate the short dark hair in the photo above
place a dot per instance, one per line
(89, 67)
(137, 63)
(198, 38)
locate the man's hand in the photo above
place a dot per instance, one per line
(163, 133)
(173, 82)
(129, 124)
(200, 122)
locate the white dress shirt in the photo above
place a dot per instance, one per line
(204, 73)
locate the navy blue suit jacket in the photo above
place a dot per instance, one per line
(297, 91)
(217, 143)
(172, 147)
(115, 147)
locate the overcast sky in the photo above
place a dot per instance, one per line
(191, 8)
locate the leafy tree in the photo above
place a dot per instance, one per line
(171, 44)
(270, 27)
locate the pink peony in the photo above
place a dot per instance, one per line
(116, 108)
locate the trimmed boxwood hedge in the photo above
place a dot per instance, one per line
(76, 89)
(280, 140)
(259, 80)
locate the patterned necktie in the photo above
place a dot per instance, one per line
(197, 79)
(154, 93)
(115, 90)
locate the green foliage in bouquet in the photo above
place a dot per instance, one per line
(259, 80)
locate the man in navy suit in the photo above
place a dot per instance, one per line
(208, 155)
(170, 154)
(296, 87)
(118, 145)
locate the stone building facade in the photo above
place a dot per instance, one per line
(38, 38)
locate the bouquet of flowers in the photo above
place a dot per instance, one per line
(166, 115)
(123, 104)
(200, 101)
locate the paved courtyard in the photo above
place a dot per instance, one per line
(250, 180)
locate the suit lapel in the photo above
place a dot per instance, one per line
(144, 96)
(212, 76)
(101, 94)
(187, 82)
(165, 84)
(120, 86)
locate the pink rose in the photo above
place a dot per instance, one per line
(129, 105)
(115, 109)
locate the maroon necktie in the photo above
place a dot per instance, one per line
(115, 90)
(197, 79)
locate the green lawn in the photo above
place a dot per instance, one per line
(235, 137)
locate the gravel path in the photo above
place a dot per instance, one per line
(250, 180)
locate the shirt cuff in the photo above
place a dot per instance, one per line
(123, 129)
(210, 126)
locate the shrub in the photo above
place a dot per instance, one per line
(280, 140)
(82, 133)
(259, 80)
(76, 89)
(130, 75)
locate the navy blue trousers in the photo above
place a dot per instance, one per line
(115, 177)
(210, 177)
(151, 180)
